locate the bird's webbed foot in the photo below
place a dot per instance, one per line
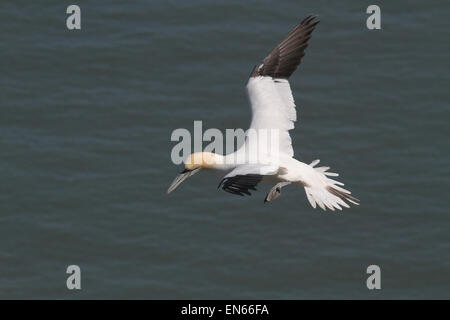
(275, 192)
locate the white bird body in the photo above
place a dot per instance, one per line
(267, 154)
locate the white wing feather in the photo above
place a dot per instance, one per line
(272, 107)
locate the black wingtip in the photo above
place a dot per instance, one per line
(284, 59)
(241, 184)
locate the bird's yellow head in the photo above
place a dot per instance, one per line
(193, 164)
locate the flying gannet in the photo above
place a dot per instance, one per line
(273, 107)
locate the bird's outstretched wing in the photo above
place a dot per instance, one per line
(268, 89)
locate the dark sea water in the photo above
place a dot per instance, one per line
(85, 124)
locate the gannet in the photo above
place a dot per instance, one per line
(273, 107)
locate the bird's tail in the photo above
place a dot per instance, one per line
(326, 192)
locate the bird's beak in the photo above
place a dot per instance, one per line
(181, 177)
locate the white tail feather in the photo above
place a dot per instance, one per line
(325, 192)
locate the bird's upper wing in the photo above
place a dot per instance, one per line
(268, 89)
